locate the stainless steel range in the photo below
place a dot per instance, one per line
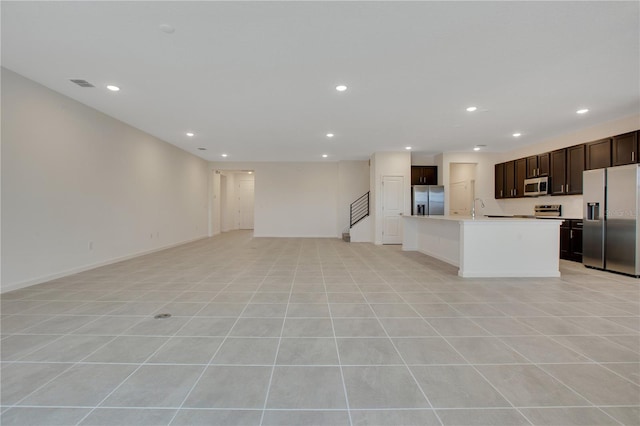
(547, 211)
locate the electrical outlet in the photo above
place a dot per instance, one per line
(151, 236)
(90, 245)
(158, 234)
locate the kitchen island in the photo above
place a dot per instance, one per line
(487, 247)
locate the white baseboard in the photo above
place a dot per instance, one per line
(509, 274)
(45, 278)
(294, 236)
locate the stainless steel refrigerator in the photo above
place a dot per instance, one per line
(427, 199)
(611, 233)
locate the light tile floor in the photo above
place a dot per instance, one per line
(318, 332)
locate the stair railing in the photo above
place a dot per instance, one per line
(359, 209)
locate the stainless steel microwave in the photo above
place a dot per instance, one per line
(536, 186)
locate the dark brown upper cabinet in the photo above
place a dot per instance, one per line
(538, 165)
(558, 175)
(532, 166)
(499, 181)
(424, 175)
(509, 178)
(625, 149)
(575, 167)
(543, 164)
(598, 154)
(565, 166)
(521, 175)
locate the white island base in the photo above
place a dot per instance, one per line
(487, 247)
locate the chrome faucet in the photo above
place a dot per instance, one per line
(473, 207)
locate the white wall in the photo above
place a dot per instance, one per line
(419, 159)
(72, 175)
(388, 164)
(293, 199)
(353, 182)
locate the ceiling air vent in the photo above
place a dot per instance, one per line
(202, 149)
(82, 83)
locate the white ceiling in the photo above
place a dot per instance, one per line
(256, 79)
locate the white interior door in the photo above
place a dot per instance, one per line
(224, 205)
(459, 198)
(245, 204)
(392, 209)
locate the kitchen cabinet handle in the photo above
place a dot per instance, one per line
(562, 188)
(567, 187)
(571, 234)
(633, 156)
(501, 192)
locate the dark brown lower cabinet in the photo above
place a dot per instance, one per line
(571, 240)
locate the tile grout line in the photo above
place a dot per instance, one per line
(275, 359)
(217, 350)
(168, 338)
(537, 365)
(406, 366)
(335, 342)
(368, 260)
(469, 363)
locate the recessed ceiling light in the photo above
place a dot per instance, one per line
(191, 134)
(517, 135)
(407, 147)
(330, 135)
(341, 88)
(113, 88)
(582, 111)
(250, 173)
(224, 155)
(477, 148)
(325, 155)
(472, 108)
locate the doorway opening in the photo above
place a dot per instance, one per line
(462, 182)
(233, 198)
